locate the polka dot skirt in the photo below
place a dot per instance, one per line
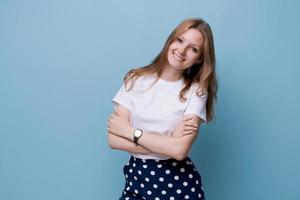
(161, 180)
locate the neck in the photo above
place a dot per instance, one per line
(171, 74)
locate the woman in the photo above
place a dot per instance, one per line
(158, 112)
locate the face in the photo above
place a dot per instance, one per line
(185, 50)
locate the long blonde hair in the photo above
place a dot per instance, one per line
(202, 73)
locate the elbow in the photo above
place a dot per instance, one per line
(180, 153)
(180, 156)
(111, 143)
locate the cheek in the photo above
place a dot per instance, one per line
(193, 57)
(172, 47)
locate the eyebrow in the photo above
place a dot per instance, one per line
(192, 43)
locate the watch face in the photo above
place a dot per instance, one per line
(138, 133)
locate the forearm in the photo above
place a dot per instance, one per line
(120, 143)
(174, 147)
(170, 146)
(162, 145)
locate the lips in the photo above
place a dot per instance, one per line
(178, 57)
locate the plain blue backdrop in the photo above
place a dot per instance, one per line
(61, 62)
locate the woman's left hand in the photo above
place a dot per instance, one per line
(118, 126)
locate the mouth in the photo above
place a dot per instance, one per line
(178, 57)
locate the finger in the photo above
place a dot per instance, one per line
(187, 119)
(113, 115)
(184, 133)
(190, 122)
(189, 129)
(118, 111)
(191, 125)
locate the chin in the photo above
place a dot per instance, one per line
(175, 64)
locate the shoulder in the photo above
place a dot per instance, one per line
(139, 82)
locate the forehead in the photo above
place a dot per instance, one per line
(193, 36)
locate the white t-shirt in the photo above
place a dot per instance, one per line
(158, 109)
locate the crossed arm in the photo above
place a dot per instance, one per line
(175, 146)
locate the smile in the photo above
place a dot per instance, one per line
(178, 58)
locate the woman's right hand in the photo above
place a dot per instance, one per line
(185, 127)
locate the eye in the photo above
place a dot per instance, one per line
(179, 39)
(195, 50)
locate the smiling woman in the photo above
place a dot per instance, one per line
(158, 112)
(185, 50)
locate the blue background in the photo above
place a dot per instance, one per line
(61, 62)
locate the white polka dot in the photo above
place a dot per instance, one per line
(139, 172)
(161, 179)
(167, 171)
(133, 164)
(142, 185)
(135, 178)
(190, 175)
(156, 160)
(130, 183)
(182, 169)
(156, 198)
(176, 177)
(155, 186)
(149, 192)
(185, 183)
(197, 182)
(147, 179)
(170, 185)
(127, 164)
(199, 195)
(193, 189)
(143, 160)
(186, 196)
(163, 192)
(130, 170)
(136, 191)
(172, 198)
(187, 162)
(145, 166)
(124, 192)
(174, 164)
(159, 165)
(152, 173)
(178, 191)
(126, 176)
(128, 188)
(127, 198)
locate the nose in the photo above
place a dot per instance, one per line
(182, 50)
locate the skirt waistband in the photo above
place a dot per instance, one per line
(187, 160)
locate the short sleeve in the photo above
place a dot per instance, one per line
(197, 105)
(124, 97)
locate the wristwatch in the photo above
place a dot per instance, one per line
(137, 134)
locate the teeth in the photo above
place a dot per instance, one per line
(178, 58)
